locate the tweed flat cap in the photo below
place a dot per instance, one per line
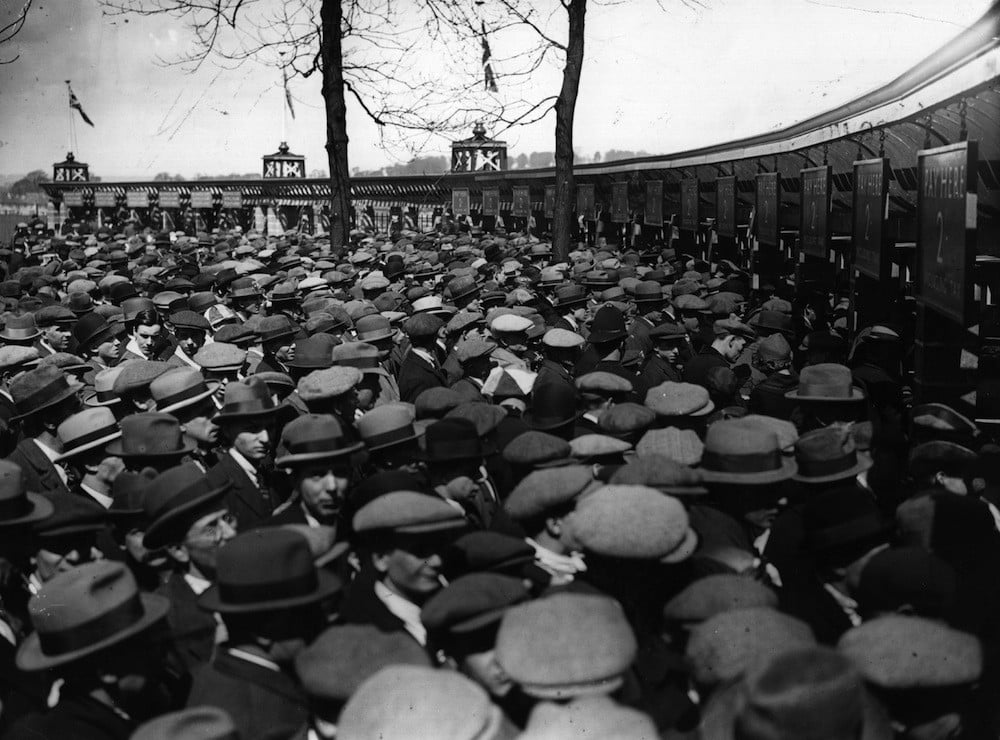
(562, 339)
(546, 489)
(725, 646)
(337, 662)
(405, 702)
(734, 327)
(632, 522)
(485, 416)
(328, 383)
(535, 449)
(463, 320)
(681, 445)
(422, 325)
(407, 512)
(189, 320)
(566, 645)
(220, 356)
(193, 723)
(434, 403)
(509, 323)
(471, 602)
(588, 446)
(661, 473)
(139, 374)
(688, 301)
(13, 356)
(902, 652)
(714, 594)
(602, 383)
(588, 717)
(679, 399)
(473, 347)
(784, 430)
(626, 418)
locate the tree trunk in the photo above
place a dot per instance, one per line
(331, 14)
(562, 227)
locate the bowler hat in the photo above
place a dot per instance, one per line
(373, 328)
(86, 430)
(174, 500)
(39, 389)
(85, 610)
(272, 328)
(313, 437)
(553, 405)
(827, 382)
(267, 570)
(738, 454)
(151, 434)
(608, 326)
(245, 400)
(452, 439)
(17, 506)
(93, 329)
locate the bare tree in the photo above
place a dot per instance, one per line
(11, 29)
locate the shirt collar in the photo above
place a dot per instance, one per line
(406, 610)
(244, 464)
(102, 498)
(424, 355)
(198, 584)
(182, 356)
(133, 347)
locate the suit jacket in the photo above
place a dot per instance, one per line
(658, 371)
(39, 472)
(696, 371)
(192, 628)
(77, 717)
(417, 375)
(261, 701)
(553, 372)
(244, 499)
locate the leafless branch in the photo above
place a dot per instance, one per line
(13, 28)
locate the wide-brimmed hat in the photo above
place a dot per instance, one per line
(150, 434)
(87, 430)
(452, 439)
(315, 352)
(180, 388)
(267, 570)
(828, 382)
(553, 405)
(174, 500)
(247, 399)
(82, 611)
(387, 426)
(735, 453)
(828, 454)
(104, 388)
(313, 437)
(40, 388)
(19, 328)
(17, 506)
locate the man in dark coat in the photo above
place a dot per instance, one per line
(730, 336)
(668, 341)
(420, 368)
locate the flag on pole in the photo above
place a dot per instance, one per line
(75, 103)
(288, 93)
(489, 78)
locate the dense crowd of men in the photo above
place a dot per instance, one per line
(444, 485)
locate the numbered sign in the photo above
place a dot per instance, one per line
(725, 206)
(550, 201)
(460, 201)
(585, 203)
(137, 199)
(946, 224)
(619, 202)
(232, 199)
(104, 199)
(814, 232)
(201, 199)
(170, 199)
(491, 202)
(689, 204)
(73, 199)
(768, 197)
(870, 207)
(522, 202)
(654, 203)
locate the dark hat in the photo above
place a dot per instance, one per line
(387, 426)
(434, 403)
(826, 381)
(267, 570)
(17, 506)
(491, 552)
(553, 405)
(195, 723)
(608, 325)
(668, 332)
(828, 454)
(930, 457)
(313, 437)
(843, 523)
(422, 326)
(570, 295)
(314, 352)
(246, 399)
(39, 389)
(777, 321)
(470, 603)
(85, 610)
(93, 328)
(718, 593)
(151, 434)
(537, 449)
(452, 439)
(54, 316)
(625, 419)
(189, 320)
(738, 454)
(907, 578)
(174, 500)
(272, 328)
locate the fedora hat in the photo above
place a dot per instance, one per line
(735, 453)
(17, 506)
(150, 434)
(608, 325)
(828, 382)
(40, 388)
(104, 388)
(570, 295)
(85, 610)
(87, 430)
(195, 723)
(313, 437)
(387, 425)
(373, 328)
(266, 570)
(452, 439)
(315, 352)
(180, 388)
(553, 405)
(19, 328)
(272, 328)
(828, 454)
(246, 399)
(174, 500)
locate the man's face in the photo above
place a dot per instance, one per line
(484, 669)
(733, 347)
(414, 572)
(252, 440)
(110, 350)
(206, 536)
(669, 352)
(323, 488)
(57, 336)
(147, 337)
(190, 340)
(59, 555)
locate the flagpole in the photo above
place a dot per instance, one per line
(284, 103)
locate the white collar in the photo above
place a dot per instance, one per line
(198, 584)
(405, 609)
(255, 659)
(133, 347)
(182, 356)
(562, 567)
(244, 464)
(310, 519)
(102, 498)
(52, 455)
(424, 355)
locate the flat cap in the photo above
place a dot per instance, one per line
(562, 339)
(485, 416)
(407, 512)
(626, 418)
(483, 551)
(714, 594)
(220, 356)
(189, 320)
(601, 383)
(588, 716)
(328, 383)
(679, 399)
(535, 449)
(12, 355)
(422, 325)
(463, 320)
(473, 347)
(784, 430)
(929, 457)
(735, 327)
(546, 489)
(434, 403)
(472, 602)
(588, 446)
(52, 315)
(510, 323)
(632, 522)
(139, 374)
(668, 331)
(661, 473)
(681, 445)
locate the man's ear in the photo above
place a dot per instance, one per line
(178, 553)
(381, 561)
(553, 526)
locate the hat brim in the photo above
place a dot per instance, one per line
(155, 536)
(87, 447)
(68, 392)
(545, 423)
(417, 434)
(306, 457)
(856, 395)
(327, 585)
(788, 469)
(212, 385)
(41, 509)
(115, 448)
(91, 400)
(387, 334)
(31, 658)
(864, 463)
(684, 550)
(599, 337)
(222, 416)
(485, 450)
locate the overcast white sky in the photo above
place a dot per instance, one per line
(657, 77)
